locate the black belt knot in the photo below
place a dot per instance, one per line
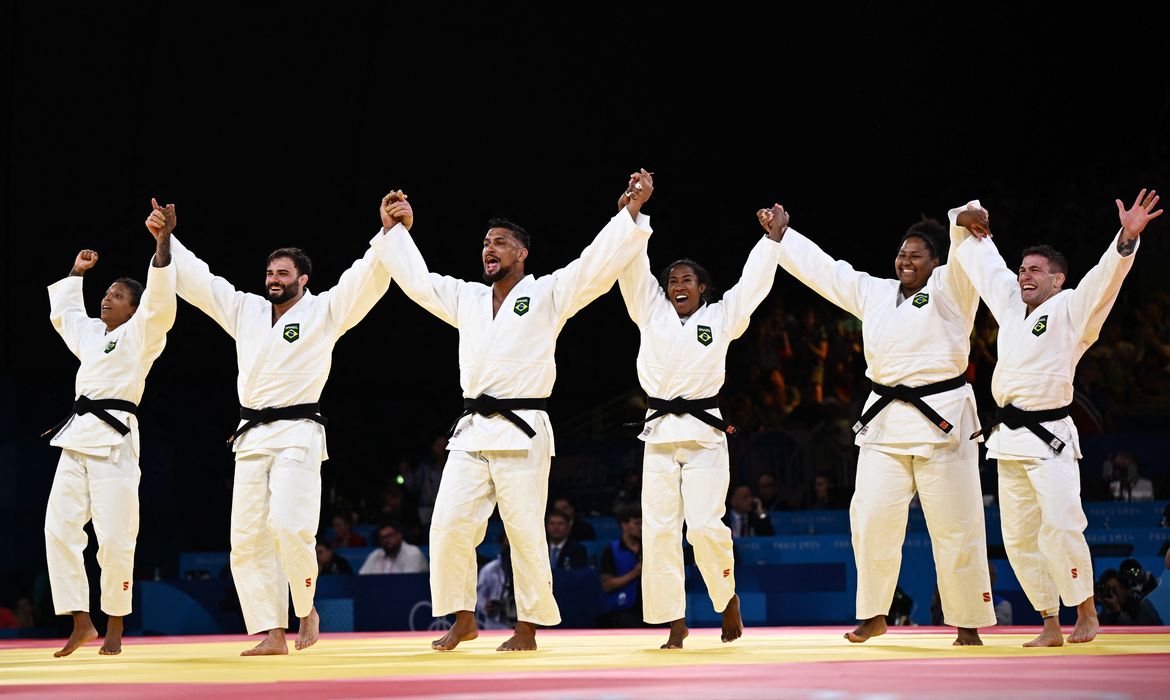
(99, 408)
(913, 396)
(255, 417)
(680, 406)
(1015, 418)
(486, 405)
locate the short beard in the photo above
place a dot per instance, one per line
(288, 293)
(501, 273)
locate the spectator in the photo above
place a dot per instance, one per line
(395, 508)
(394, 556)
(769, 494)
(423, 482)
(747, 516)
(824, 494)
(621, 572)
(343, 534)
(579, 530)
(564, 552)
(1125, 480)
(329, 561)
(1118, 604)
(494, 592)
(1141, 583)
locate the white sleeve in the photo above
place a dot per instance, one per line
(360, 287)
(67, 312)
(990, 276)
(640, 289)
(835, 280)
(212, 295)
(758, 275)
(368, 564)
(1093, 298)
(156, 310)
(435, 293)
(952, 277)
(594, 272)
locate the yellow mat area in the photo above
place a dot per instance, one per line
(402, 655)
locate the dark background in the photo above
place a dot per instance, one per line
(272, 124)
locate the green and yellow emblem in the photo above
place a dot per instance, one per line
(1041, 326)
(920, 300)
(110, 346)
(704, 334)
(292, 331)
(522, 306)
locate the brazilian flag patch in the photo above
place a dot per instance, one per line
(1041, 326)
(110, 346)
(920, 300)
(292, 331)
(522, 306)
(705, 336)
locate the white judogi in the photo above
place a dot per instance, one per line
(97, 475)
(276, 495)
(916, 341)
(509, 356)
(1039, 489)
(685, 471)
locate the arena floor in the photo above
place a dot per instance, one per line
(809, 662)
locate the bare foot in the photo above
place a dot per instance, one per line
(272, 645)
(873, 627)
(83, 633)
(732, 621)
(967, 637)
(309, 631)
(524, 639)
(1050, 636)
(463, 630)
(1087, 626)
(678, 632)
(112, 643)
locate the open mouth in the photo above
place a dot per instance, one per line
(1028, 287)
(491, 265)
(681, 299)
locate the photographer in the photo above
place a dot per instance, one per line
(1119, 606)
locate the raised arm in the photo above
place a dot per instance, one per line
(1094, 296)
(758, 274)
(965, 221)
(594, 272)
(640, 289)
(212, 295)
(67, 305)
(990, 275)
(396, 251)
(834, 280)
(156, 310)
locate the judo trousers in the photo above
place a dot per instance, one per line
(684, 480)
(104, 490)
(1044, 530)
(948, 487)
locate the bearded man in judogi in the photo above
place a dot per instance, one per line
(1044, 329)
(501, 446)
(97, 476)
(284, 347)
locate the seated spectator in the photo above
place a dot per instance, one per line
(1119, 606)
(579, 530)
(343, 534)
(621, 572)
(329, 561)
(825, 495)
(564, 552)
(396, 508)
(769, 494)
(394, 556)
(1140, 582)
(746, 516)
(495, 595)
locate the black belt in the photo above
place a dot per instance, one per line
(1014, 418)
(912, 396)
(691, 407)
(309, 411)
(99, 408)
(486, 405)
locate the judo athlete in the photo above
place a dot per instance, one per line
(284, 348)
(1044, 329)
(500, 447)
(97, 475)
(685, 469)
(913, 432)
